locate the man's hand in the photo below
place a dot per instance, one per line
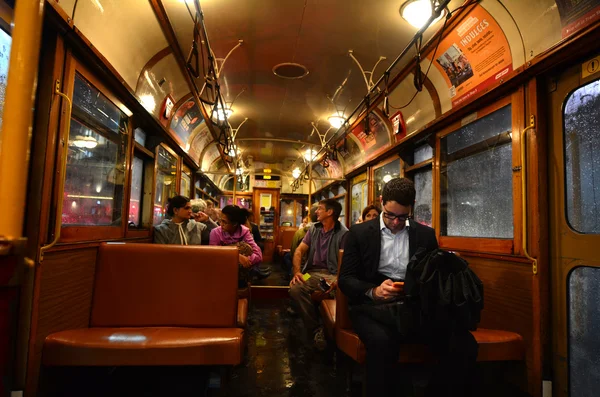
(386, 291)
(244, 261)
(298, 278)
(200, 217)
(332, 287)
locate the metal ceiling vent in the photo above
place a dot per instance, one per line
(289, 70)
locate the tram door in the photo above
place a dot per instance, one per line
(574, 193)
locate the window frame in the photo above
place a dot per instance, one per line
(155, 176)
(371, 175)
(78, 233)
(409, 172)
(146, 204)
(511, 246)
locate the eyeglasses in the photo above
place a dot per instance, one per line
(392, 217)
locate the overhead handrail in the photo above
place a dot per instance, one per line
(522, 143)
(61, 173)
(356, 112)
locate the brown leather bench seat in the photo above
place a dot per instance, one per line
(494, 345)
(158, 305)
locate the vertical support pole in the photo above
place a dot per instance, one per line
(16, 126)
(309, 184)
(235, 176)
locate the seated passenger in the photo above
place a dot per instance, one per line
(376, 255)
(180, 228)
(297, 239)
(321, 244)
(370, 212)
(255, 231)
(233, 232)
(200, 206)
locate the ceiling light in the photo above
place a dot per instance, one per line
(239, 171)
(221, 115)
(88, 142)
(387, 178)
(418, 12)
(234, 151)
(296, 172)
(336, 120)
(310, 154)
(148, 102)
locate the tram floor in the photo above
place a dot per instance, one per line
(279, 362)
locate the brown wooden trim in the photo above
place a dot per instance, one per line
(498, 246)
(77, 245)
(89, 233)
(139, 148)
(498, 257)
(480, 113)
(151, 63)
(518, 110)
(60, 12)
(127, 182)
(138, 233)
(417, 166)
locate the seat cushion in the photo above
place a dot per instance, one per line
(144, 346)
(242, 316)
(494, 345)
(327, 310)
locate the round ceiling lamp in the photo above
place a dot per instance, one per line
(310, 154)
(221, 115)
(296, 173)
(418, 12)
(336, 120)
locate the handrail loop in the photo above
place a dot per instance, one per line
(524, 192)
(61, 173)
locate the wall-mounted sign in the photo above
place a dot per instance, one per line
(575, 15)
(166, 109)
(398, 125)
(473, 56)
(590, 67)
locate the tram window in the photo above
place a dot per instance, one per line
(5, 44)
(582, 159)
(384, 174)
(584, 323)
(135, 199)
(166, 175)
(139, 136)
(423, 153)
(96, 160)
(476, 174)
(186, 181)
(359, 197)
(423, 184)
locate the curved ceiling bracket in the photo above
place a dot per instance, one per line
(369, 81)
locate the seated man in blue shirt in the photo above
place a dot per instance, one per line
(321, 244)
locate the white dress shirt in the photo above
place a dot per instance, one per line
(394, 255)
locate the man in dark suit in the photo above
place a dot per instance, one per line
(376, 255)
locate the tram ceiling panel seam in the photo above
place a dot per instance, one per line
(346, 127)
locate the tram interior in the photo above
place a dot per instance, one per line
(489, 106)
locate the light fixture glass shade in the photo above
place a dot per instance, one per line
(336, 120)
(234, 151)
(310, 154)
(221, 115)
(296, 172)
(418, 12)
(239, 171)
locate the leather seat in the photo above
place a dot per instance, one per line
(158, 305)
(494, 345)
(286, 235)
(327, 310)
(144, 346)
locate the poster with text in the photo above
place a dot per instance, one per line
(473, 56)
(577, 14)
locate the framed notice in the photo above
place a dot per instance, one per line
(473, 56)
(575, 15)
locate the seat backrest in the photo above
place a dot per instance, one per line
(286, 235)
(342, 318)
(141, 285)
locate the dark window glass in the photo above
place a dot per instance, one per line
(165, 183)
(5, 44)
(423, 185)
(384, 174)
(93, 193)
(476, 188)
(582, 158)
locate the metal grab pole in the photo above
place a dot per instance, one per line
(18, 114)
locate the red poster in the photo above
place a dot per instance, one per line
(473, 56)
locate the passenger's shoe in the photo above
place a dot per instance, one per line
(319, 339)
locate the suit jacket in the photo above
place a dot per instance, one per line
(359, 272)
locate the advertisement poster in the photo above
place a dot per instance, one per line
(378, 137)
(186, 118)
(199, 139)
(575, 15)
(398, 126)
(473, 56)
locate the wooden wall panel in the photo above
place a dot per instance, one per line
(508, 301)
(63, 301)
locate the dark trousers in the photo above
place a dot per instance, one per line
(456, 351)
